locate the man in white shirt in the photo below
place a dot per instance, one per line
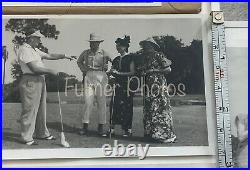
(94, 63)
(33, 89)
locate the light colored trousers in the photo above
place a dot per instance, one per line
(94, 89)
(33, 117)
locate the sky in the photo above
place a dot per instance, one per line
(74, 34)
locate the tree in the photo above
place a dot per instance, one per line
(174, 50)
(24, 27)
(52, 85)
(16, 71)
(187, 62)
(197, 74)
(21, 28)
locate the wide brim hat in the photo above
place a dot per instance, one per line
(95, 38)
(36, 34)
(151, 41)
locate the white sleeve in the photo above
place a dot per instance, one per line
(41, 53)
(25, 55)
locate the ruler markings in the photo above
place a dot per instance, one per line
(221, 91)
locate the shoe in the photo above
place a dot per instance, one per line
(171, 140)
(101, 131)
(111, 132)
(50, 137)
(127, 133)
(84, 130)
(102, 134)
(31, 143)
(148, 138)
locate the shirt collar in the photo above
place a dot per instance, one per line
(28, 46)
(99, 51)
(124, 54)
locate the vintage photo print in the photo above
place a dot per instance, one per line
(237, 54)
(96, 86)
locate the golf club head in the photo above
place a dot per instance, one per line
(64, 102)
(64, 143)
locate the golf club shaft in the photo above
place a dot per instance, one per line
(60, 107)
(111, 115)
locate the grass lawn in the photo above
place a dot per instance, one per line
(189, 122)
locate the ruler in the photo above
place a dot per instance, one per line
(225, 157)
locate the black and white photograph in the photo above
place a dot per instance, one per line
(83, 86)
(237, 53)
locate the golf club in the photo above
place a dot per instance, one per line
(111, 115)
(63, 141)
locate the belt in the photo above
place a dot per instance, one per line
(29, 74)
(96, 70)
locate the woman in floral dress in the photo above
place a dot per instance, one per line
(158, 120)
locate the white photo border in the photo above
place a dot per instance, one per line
(22, 154)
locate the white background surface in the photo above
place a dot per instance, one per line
(237, 43)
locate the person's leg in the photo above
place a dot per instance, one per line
(127, 115)
(30, 93)
(101, 103)
(89, 102)
(41, 127)
(88, 105)
(116, 108)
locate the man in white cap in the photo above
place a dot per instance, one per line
(33, 88)
(94, 63)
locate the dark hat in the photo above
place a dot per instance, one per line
(151, 41)
(123, 41)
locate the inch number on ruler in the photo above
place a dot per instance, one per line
(221, 91)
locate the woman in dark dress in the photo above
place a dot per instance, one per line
(121, 106)
(158, 121)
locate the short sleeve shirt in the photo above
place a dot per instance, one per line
(27, 54)
(96, 60)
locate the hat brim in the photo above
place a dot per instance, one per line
(36, 36)
(95, 40)
(156, 46)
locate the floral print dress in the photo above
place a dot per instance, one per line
(158, 120)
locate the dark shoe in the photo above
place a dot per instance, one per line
(111, 132)
(84, 130)
(127, 133)
(101, 131)
(171, 140)
(31, 143)
(148, 138)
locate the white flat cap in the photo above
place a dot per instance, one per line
(37, 34)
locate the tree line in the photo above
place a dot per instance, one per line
(187, 60)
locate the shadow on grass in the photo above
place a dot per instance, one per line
(11, 137)
(92, 133)
(57, 126)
